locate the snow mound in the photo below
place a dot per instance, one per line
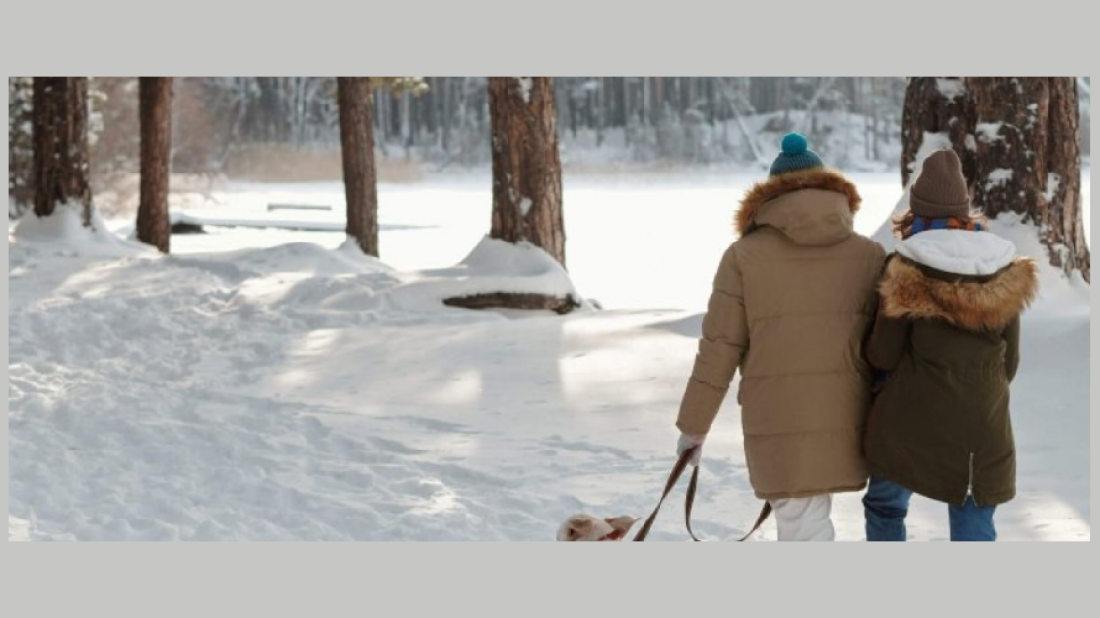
(299, 257)
(66, 231)
(493, 266)
(1056, 289)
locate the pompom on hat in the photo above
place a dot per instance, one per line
(796, 156)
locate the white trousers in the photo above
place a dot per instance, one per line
(804, 519)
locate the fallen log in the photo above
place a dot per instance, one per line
(508, 300)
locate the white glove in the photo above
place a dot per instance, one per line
(688, 442)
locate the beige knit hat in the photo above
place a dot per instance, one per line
(940, 191)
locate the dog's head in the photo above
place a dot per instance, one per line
(587, 529)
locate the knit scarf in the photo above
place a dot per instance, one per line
(924, 224)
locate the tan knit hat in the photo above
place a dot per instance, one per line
(940, 191)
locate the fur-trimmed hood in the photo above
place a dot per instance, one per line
(913, 290)
(778, 186)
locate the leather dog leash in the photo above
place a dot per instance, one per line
(689, 500)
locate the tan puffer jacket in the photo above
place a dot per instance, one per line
(793, 301)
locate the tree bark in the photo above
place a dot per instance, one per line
(357, 146)
(61, 145)
(447, 117)
(1064, 208)
(1029, 160)
(20, 145)
(937, 105)
(527, 196)
(155, 94)
(621, 113)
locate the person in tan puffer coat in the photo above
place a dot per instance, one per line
(793, 301)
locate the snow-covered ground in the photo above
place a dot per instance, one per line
(247, 388)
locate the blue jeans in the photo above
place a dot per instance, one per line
(886, 505)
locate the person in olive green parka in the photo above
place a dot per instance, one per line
(948, 333)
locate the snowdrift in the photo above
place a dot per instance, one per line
(65, 232)
(493, 266)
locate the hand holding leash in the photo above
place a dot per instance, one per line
(685, 459)
(689, 442)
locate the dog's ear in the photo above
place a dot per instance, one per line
(580, 527)
(621, 525)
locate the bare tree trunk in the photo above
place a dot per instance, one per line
(601, 110)
(658, 107)
(1029, 160)
(20, 145)
(712, 101)
(447, 116)
(526, 183)
(875, 152)
(527, 203)
(942, 106)
(61, 145)
(623, 102)
(357, 146)
(1064, 208)
(764, 94)
(407, 128)
(155, 94)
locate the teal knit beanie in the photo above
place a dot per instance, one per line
(796, 156)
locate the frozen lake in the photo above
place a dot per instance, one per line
(631, 244)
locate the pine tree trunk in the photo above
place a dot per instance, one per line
(1029, 160)
(357, 146)
(155, 94)
(712, 100)
(407, 123)
(527, 204)
(1064, 207)
(393, 104)
(601, 110)
(937, 105)
(447, 117)
(61, 145)
(621, 113)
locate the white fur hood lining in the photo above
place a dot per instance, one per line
(960, 252)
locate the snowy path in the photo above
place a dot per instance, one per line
(295, 393)
(220, 407)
